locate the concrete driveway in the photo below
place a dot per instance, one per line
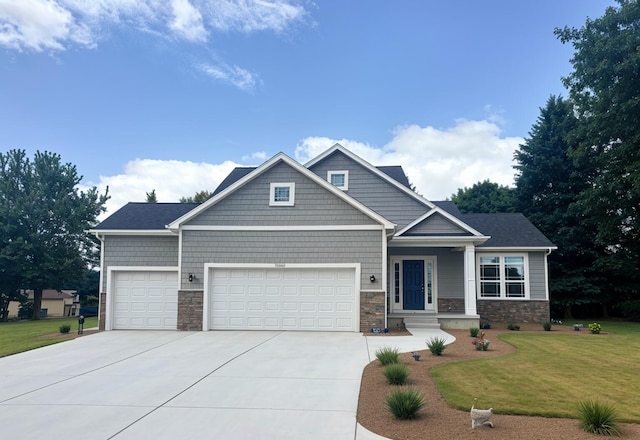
(193, 385)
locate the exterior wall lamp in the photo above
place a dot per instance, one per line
(191, 277)
(372, 278)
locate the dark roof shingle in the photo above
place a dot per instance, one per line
(145, 216)
(507, 230)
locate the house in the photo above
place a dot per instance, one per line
(336, 244)
(55, 303)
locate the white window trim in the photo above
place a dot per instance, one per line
(503, 291)
(344, 187)
(272, 193)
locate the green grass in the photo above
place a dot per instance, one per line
(396, 374)
(19, 336)
(388, 355)
(404, 403)
(549, 374)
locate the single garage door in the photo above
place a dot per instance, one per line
(321, 299)
(145, 300)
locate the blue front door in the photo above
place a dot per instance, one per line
(413, 284)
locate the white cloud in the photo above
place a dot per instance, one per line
(172, 179)
(237, 76)
(437, 161)
(188, 21)
(258, 155)
(55, 25)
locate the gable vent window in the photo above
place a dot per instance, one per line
(282, 194)
(339, 178)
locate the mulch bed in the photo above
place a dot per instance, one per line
(438, 421)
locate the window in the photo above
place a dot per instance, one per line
(282, 194)
(502, 276)
(339, 178)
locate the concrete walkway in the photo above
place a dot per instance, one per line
(195, 385)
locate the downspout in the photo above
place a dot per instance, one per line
(101, 285)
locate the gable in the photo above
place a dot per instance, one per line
(249, 204)
(436, 224)
(372, 190)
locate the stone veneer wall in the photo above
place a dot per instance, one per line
(190, 310)
(514, 311)
(103, 311)
(371, 310)
(450, 305)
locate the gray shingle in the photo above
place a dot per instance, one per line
(145, 216)
(507, 230)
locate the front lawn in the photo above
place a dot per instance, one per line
(19, 336)
(551, 373)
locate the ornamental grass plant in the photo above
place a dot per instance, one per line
(388, 355)
(404, 403)
(396, 374)
(599, 418)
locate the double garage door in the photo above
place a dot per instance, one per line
(321, 299)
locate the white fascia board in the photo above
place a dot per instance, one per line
(438, 241)
(516, 249)
(373, 169)
(281, 157)
(282, 228)
(103, 232)
(456, 221)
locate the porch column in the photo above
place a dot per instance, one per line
(470, 280)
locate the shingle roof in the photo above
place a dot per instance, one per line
(507, 230)
(235, 175)
(448, 206)
(397, 173)
(145, 216)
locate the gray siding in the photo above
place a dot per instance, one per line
(538, 279)
(450, 266)
(126, 250)
(436, 225)
(243, 247)
(249, 205)
(373, 191)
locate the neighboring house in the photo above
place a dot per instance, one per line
(55, 303)
(333, 245)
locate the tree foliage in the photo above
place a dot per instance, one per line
(151, 197)
(548, 186)
(199, 197)
(484, 197)
(604, 87)
(43, 222)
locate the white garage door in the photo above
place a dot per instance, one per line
(145, 300)
(321, 299)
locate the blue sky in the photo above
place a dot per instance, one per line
(143, 95)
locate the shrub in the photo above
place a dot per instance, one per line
(513, 327)
(405, 403)
(396, 374)
(387, 355)
(630, 309)
(25, 310)
(473, 331)
(595, 328)
(547, 326)
(436, 346)
(65, 328)
(598, 418)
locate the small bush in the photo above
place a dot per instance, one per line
(436, 346)
(65, 328)
(547, 326)
(387, 355)
(595, 328)
(598, 418)
(630, 310)
(396, 374)
(405, 403)
(513, 327)
(473, 331)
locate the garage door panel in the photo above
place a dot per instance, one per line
(285, 298)
(145, 300)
